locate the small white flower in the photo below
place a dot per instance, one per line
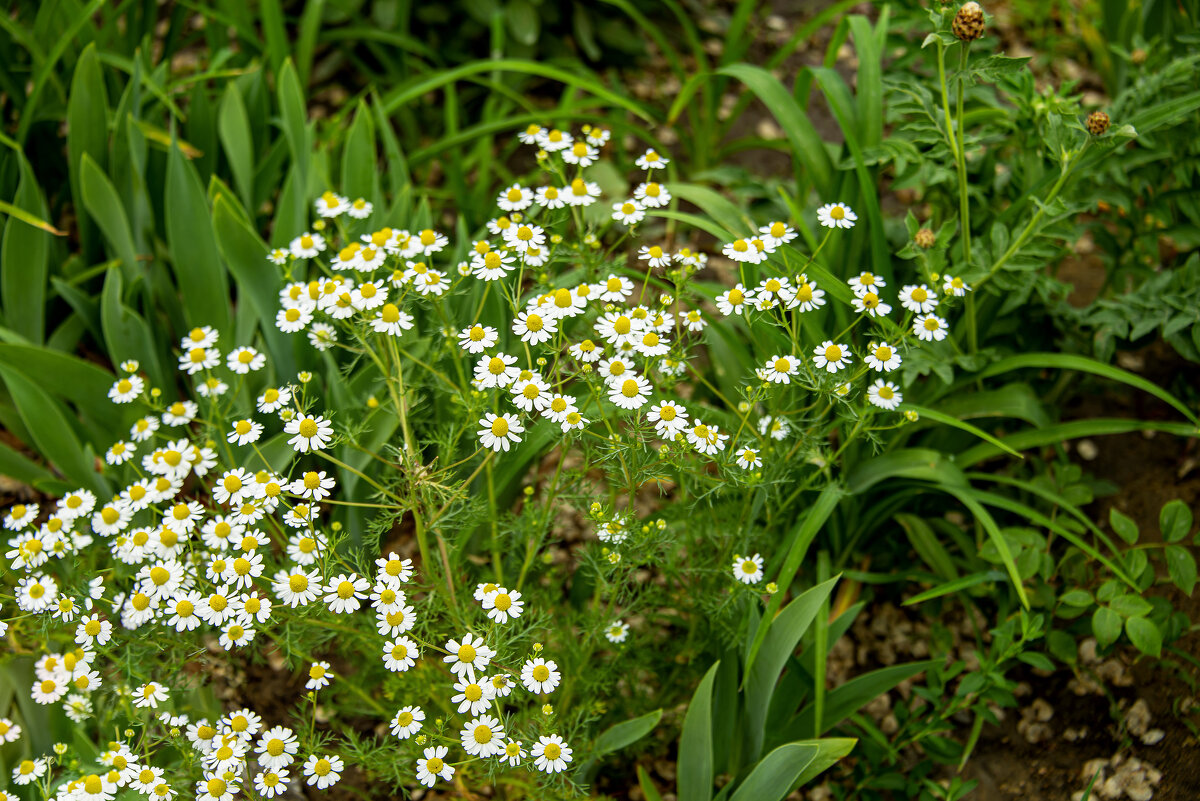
(748, 569)
(830, 356)
(836, 215)
(884, 394)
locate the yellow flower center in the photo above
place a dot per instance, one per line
(629, 388)
(833, 353)
(541, 673)
(345, 589)
(931, 324)
(434, 765)
(503, 602)
(466, 653)
(782, 365)
(185, 608)
(483, 734)
(499, 429)
(883, 353)
(552, 751)
(298, 582)
(308, 428)
(534, 322)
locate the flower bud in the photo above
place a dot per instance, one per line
(925, 238)
(1097, 123)
(968, 22)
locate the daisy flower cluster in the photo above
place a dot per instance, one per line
(539, 326)
(205, 549)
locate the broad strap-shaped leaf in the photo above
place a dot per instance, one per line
(783, 635)
(199, 273)
(772, 778)
(695, 781)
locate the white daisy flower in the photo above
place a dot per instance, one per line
(551, 754)
(331, 205)
(323, 771)
(630, 392)
(407, 722)
(652, 195)
(836, 215)
(515, 198)
(918, 299)
(549, 197)
(930, 328)
(870, 304)
(126, 390)
(831, 357)
(391, 321)
(245, 360)
(346, 592)
(540, 676)
(472, 697)
(361, 209)
(310, 433)
(400, 654)
(616, 632)
(655, 255)
(748, 459)
(502, 605)
(471, 654)
(628, 212)
(884, 394)
(433, 766)
(953, 285)
(748, 569)
(651, 160)
(498, 432)
(883, 357)
(483, 737)
(496, 371)
(780, 369)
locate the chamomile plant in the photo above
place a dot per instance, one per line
(264, 517)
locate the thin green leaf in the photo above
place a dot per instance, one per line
(1076, 429)
(1064, 361)
(807, 146)
(946, 419)
(911, 463)
(853, 695)
(954, 586)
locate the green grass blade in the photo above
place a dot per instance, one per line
(807, 147)
(853, 695)
(245, 255)
(1036, 438)
(945, 419)
(967, 497)
(421, 85)
(921, 464)
(956, 585)
(1064, 361)
(52, 434)
(838, 96)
